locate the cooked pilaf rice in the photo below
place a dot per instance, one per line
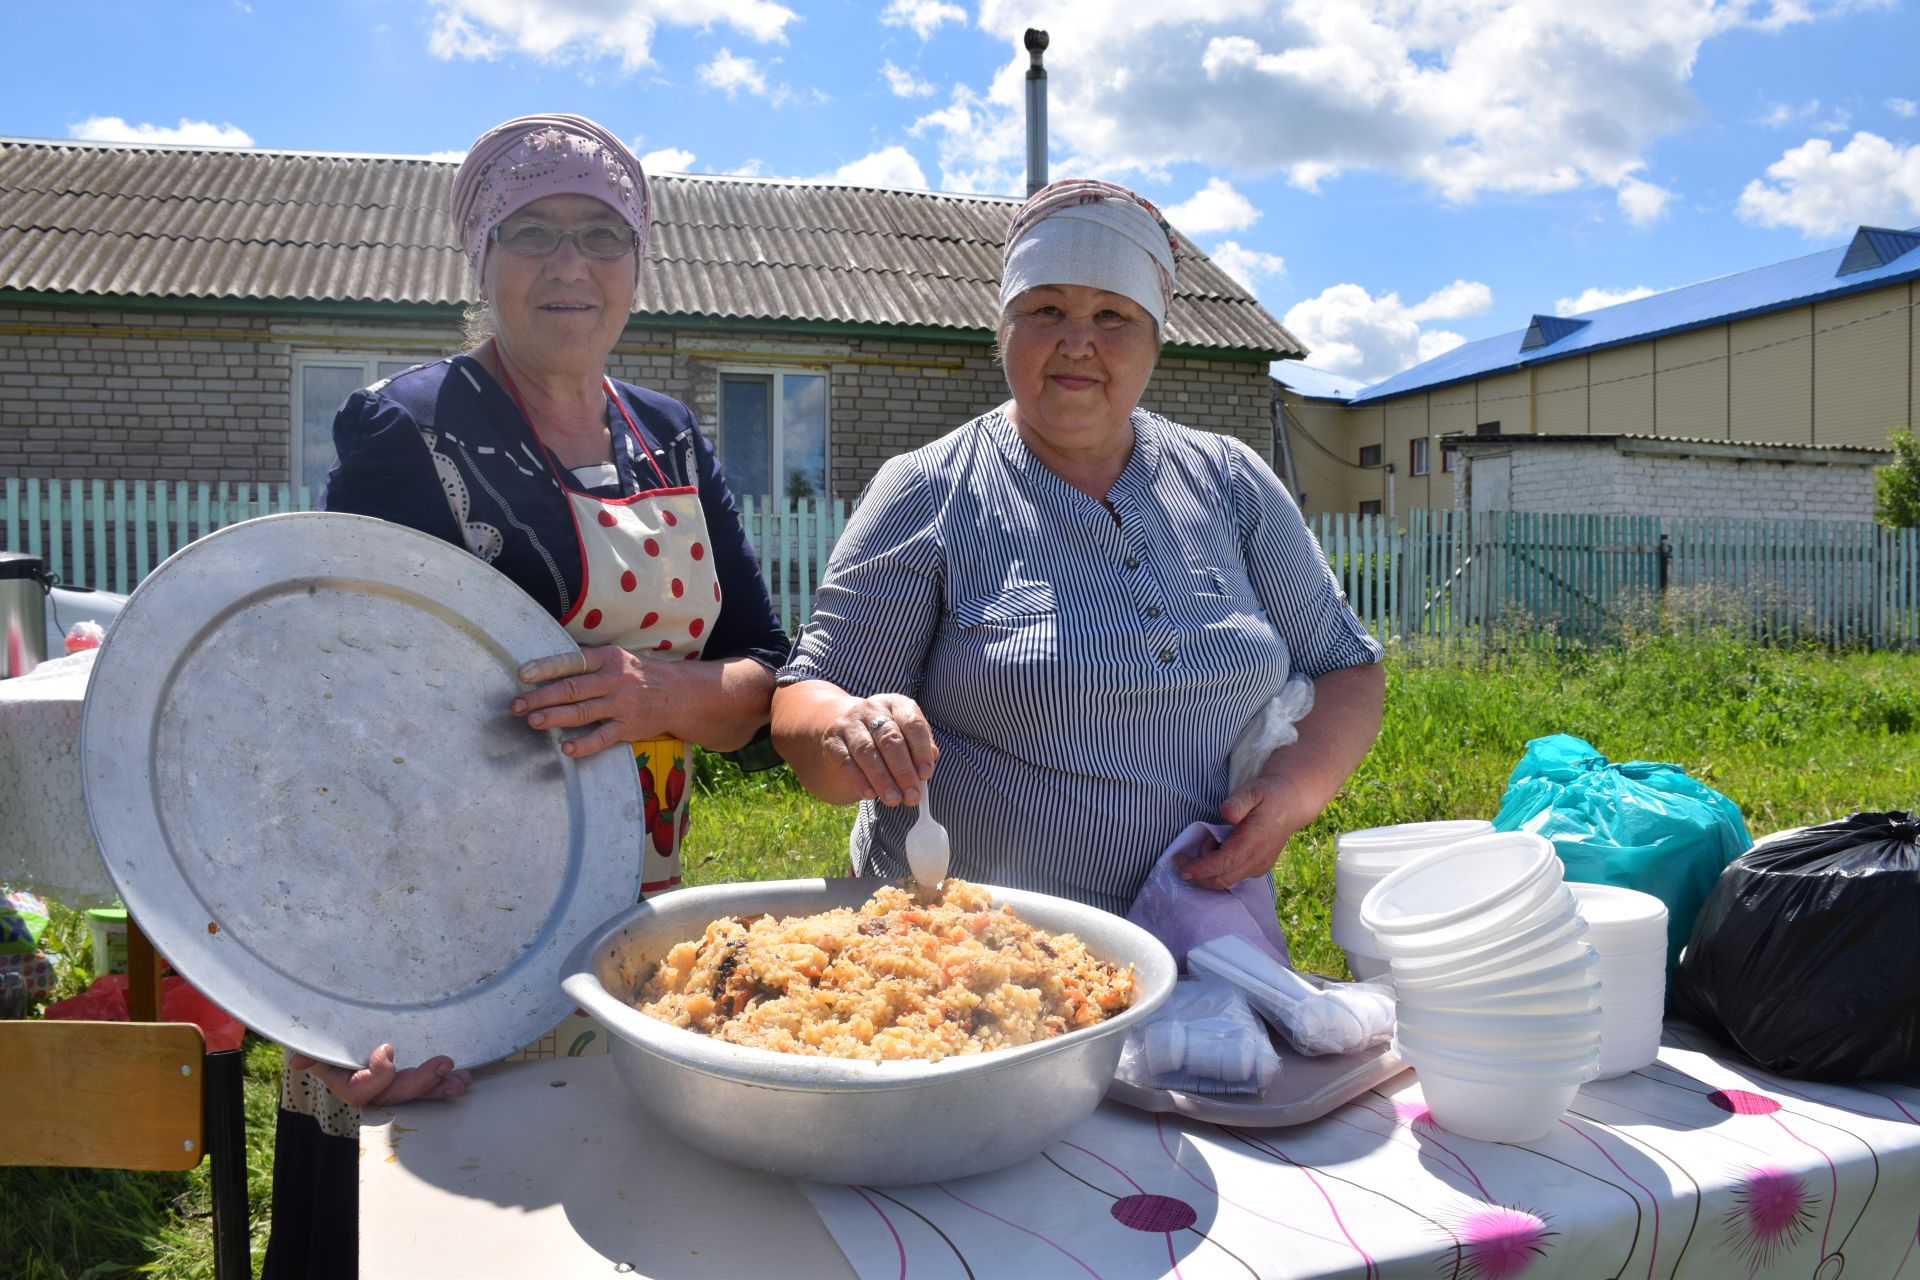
(896, 978)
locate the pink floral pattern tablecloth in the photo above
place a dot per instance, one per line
(1696, 1166)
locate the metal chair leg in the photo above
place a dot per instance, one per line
(225, 1131)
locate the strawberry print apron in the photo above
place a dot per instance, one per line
(648, 585)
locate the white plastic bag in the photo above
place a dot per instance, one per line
(1316, 1015)
(1272, 726)
(1204, 1039)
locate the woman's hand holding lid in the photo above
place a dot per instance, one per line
(381, 1084)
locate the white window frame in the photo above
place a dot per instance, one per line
(776, 465)
(1419, 455)
(369, 360)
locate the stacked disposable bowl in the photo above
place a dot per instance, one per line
(1498, 999)
(1629, 931)
(1363, 859)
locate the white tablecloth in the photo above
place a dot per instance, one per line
(1693, 1167)
(46, 844)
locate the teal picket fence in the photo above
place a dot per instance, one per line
(1488, 580)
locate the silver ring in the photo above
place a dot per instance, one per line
(878, 723)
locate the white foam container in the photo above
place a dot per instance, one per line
(1390, 847)
(1495, 1112)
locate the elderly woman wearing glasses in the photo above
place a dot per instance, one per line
(1074, 606)
(600, 499)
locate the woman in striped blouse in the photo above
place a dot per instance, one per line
(1069, 608)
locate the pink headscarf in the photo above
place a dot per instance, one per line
(511, 165)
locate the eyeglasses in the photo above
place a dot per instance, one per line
(538, 239)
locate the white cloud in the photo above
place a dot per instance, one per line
(753, 167)
(1349, 331)
(1594, 298)
(667, 160)
(1821, 191)
(1524, 96)
(924, 16)
(1807, 115)
(731, 74)
(1904, 107)
(198, 133)
(982, 147)
(1215, 207)
(1248, 266)
(904, 83)
(455, 155)
(888, 167)
(1641, 201)
(570, 30)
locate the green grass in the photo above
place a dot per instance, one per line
(1791, 735)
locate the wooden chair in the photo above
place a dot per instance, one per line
(131, 1095)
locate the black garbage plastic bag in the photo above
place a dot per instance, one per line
(1806, 956)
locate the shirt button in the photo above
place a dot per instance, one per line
(1132, 563)
(1166, 656)
(1153, 611)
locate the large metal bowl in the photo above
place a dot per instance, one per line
(847, 1120)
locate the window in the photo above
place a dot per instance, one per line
(321, 384)
(1370, 508)
(1446, 460)
(1417, 456)
(1487, 429)
(1370, 455)
(773, 432)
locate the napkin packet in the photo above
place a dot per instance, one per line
(1204, 1039)
(1317, 1016)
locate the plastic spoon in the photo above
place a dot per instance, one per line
(927, 848)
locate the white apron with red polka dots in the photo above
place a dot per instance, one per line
(647, 585)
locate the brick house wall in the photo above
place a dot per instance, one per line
(139, 394)
(1591, 479)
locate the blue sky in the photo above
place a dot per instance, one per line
(1390, 178)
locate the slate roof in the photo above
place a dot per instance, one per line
(1876, 257)
(158, 221)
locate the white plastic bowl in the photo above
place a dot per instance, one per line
(1505, 1028)
(1543, 898)
(1457, 884)
(1611, 910)
(1564, 974)
(1537, 957)
(1550, 921)
(1557, 1063)
(1390, 847)
(1367, 968)
(1495, 1112)
(1542, 1046)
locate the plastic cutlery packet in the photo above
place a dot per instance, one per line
(1316, 1015)
(1205, 1039)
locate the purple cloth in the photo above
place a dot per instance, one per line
(1184, 916)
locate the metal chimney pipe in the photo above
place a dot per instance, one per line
(1036, 111)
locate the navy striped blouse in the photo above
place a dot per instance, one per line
(1086, 671)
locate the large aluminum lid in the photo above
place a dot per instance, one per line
(305, 782)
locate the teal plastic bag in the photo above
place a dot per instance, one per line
(1639, 825)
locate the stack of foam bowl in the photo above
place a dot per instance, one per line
(1629, 931)
(1498, 1001)
(1363, 859)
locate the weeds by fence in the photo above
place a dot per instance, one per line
(1491, 580)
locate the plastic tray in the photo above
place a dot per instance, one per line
(1304, 1089)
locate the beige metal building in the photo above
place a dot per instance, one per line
(1820, 350)
(178, 313)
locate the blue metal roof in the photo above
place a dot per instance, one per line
(1793, 283)
(1319, 384)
